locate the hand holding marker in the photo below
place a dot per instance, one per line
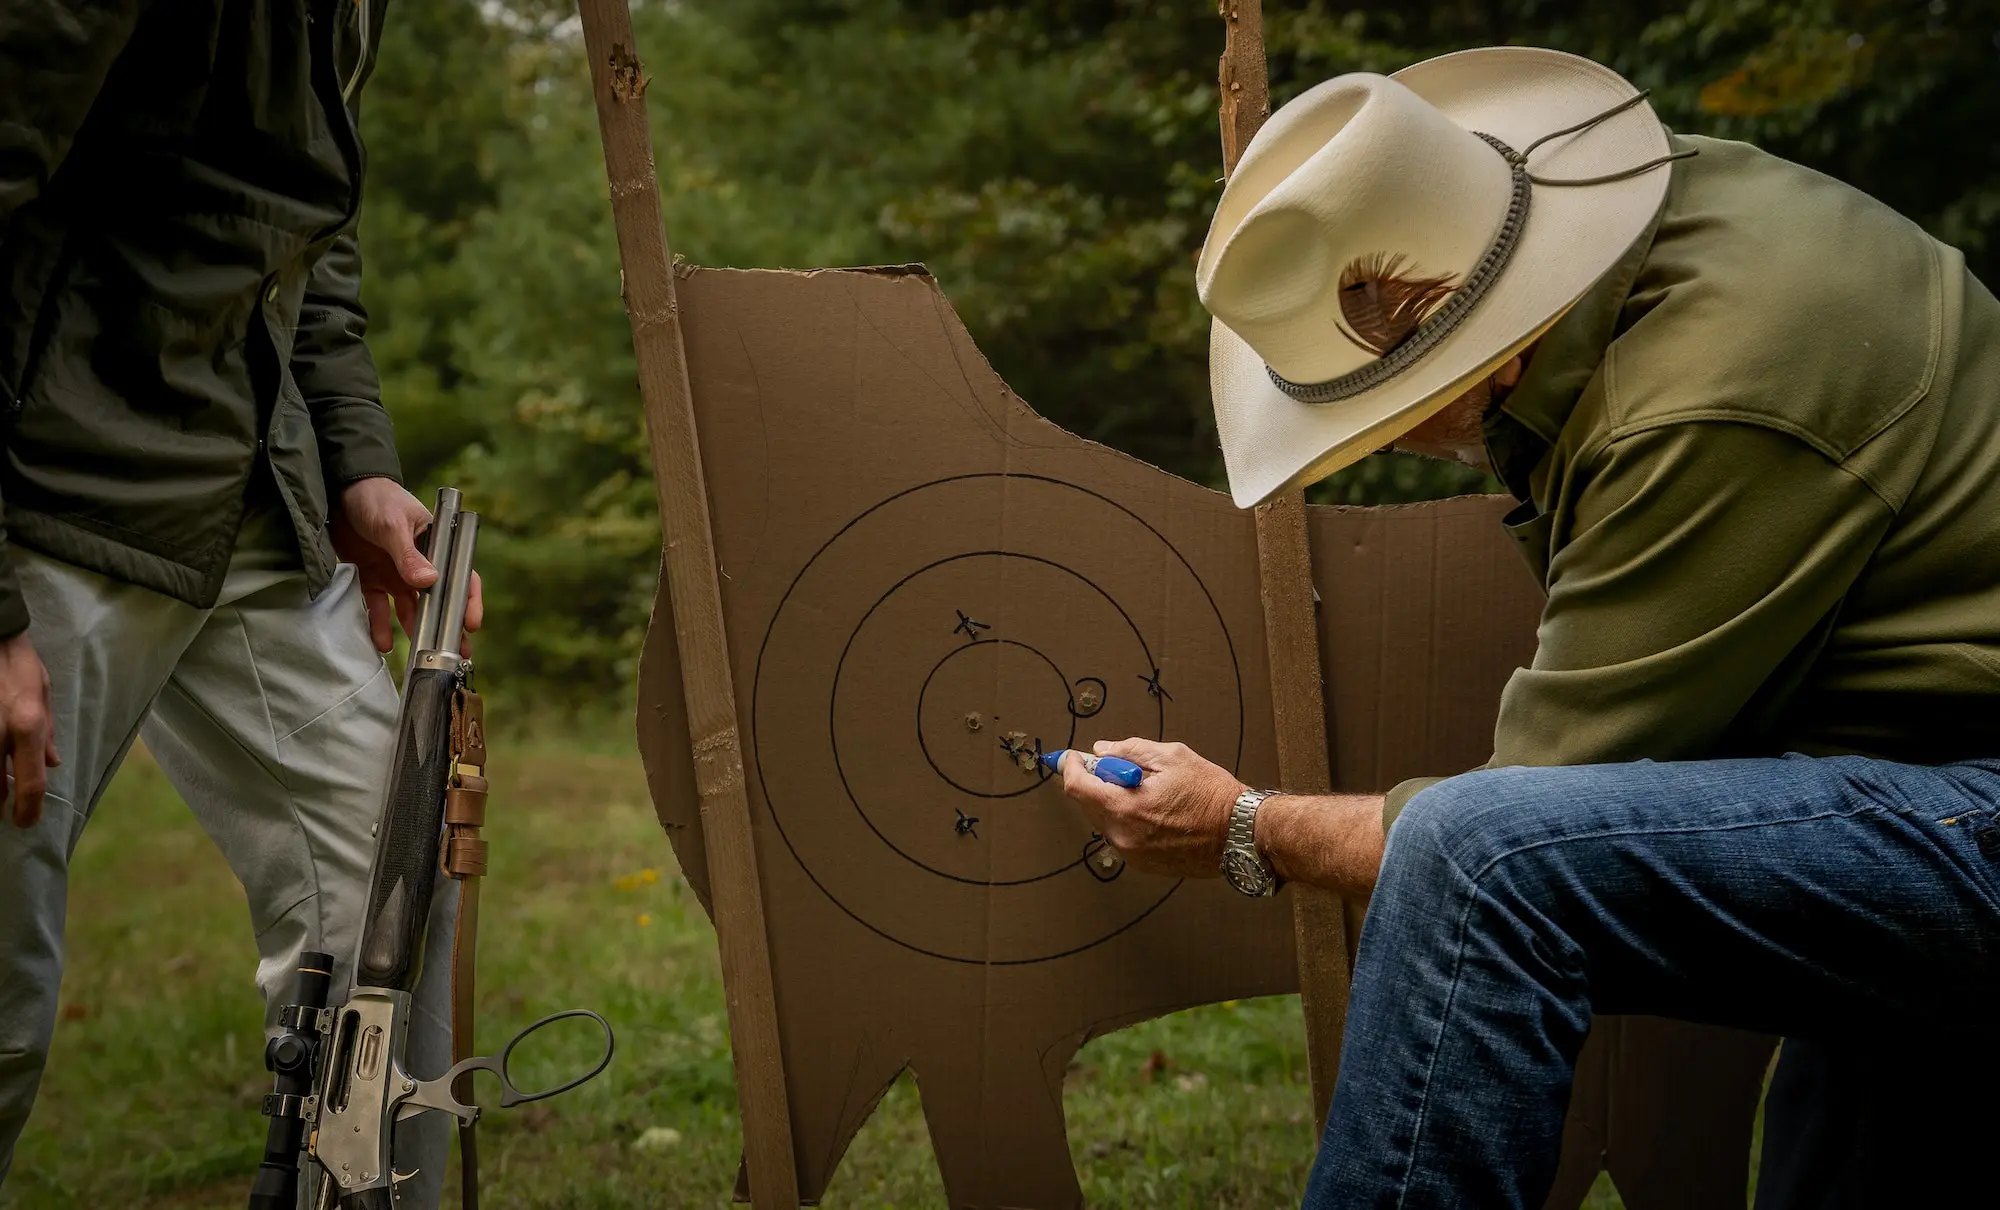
(1114, 769)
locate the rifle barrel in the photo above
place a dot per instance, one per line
(444, 536)
(455, 581)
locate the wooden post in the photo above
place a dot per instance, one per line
(1298, 700)
(619, 81)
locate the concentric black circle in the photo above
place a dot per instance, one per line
(1029, 784)
(978, 647)
(963, 850)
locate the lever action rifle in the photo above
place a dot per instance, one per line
(339, 1084)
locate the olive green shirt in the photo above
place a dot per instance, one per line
(1760, 463)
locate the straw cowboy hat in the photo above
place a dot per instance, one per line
(1387, 242)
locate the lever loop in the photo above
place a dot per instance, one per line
(511, 1096)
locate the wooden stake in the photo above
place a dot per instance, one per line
(619, 81)
(1298, 699)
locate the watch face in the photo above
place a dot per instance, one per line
(1245, 872)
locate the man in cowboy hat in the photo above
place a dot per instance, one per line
(1753, 775)
(203, 514)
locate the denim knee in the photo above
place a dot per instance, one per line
(1491, 829)
(1469, 820)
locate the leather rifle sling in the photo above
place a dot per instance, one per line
(464, 859)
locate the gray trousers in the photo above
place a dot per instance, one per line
(273, 715)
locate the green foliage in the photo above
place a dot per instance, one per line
(1054, 162)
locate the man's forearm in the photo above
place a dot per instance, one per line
(1333, 842)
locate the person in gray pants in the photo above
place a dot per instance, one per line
(206, 541)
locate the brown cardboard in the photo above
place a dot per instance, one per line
(916, 567)
(1425, 611)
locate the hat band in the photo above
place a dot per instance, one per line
(1446, 318)
(1441, 321)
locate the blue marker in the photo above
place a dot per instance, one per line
(1114, 769)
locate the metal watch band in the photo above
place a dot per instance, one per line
(1242, 864)
(1243, 818)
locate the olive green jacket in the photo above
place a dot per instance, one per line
(1760, 466)
(179, 283)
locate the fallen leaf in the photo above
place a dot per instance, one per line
(657, 1138)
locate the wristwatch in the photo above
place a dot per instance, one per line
(1244, 867)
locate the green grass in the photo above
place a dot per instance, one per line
(152, 1092)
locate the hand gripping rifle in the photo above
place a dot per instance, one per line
(340, 1085)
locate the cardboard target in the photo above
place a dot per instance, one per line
(923, 676)
(923, 581)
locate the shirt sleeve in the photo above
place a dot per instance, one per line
(336, 375)
(1703, 556)
(1701, 572)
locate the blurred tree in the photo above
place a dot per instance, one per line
(1055, 162)
(438, 128)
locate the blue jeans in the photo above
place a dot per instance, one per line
(1813, 898)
